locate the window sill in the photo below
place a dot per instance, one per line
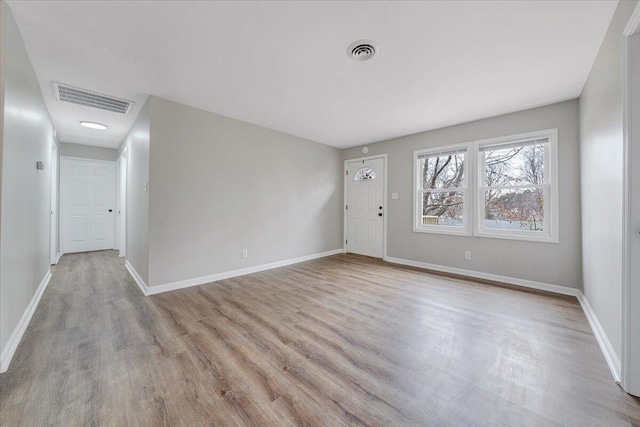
(446, 231)
(522, 237)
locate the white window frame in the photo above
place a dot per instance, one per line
(550, 235)
(466, 189)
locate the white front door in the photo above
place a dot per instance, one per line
(365, 207)
(87, 205)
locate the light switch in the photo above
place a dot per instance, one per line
(395, 196)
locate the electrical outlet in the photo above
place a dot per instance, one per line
(245, 253)
(467, 255)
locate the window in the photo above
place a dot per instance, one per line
(364, 174)
(441, 190)
(513, 194)
(517, 187)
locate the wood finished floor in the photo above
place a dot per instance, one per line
(337, 341)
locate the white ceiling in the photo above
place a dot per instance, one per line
(283, 65)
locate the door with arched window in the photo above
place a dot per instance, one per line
(365, 207)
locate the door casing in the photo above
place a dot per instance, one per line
(121, 201)
(630, 357)
(54, 205)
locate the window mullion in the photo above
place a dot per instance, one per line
(482, 179)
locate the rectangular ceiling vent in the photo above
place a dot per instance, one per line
(90, 99)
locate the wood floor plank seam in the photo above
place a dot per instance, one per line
(337, 341)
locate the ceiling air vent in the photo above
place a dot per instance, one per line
(362, 50)
(90, 99)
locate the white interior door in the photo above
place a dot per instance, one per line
(87, 203)
(365, 207)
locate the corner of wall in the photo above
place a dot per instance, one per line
(137, 143)
(601, 166)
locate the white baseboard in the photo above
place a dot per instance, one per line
(563, 290)
(605, 345)
(136, 277)
(57, 259)
(152, 290)
(18, 332)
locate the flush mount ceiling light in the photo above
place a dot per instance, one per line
(93, 125)
(362, 50)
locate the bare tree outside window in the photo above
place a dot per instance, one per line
(514, 187)
(443, 189)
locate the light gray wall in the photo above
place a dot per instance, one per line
(87, 151)
(557, 264)
(25, 219)
(601, 160)
(137, 144)
(219, 186)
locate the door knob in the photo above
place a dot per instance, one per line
(380, 214)
(110, 210)
(380, 207)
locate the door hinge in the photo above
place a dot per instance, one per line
(347, 207)
(346, 242)
(347, 172)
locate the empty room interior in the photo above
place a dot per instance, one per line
(320, 213)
